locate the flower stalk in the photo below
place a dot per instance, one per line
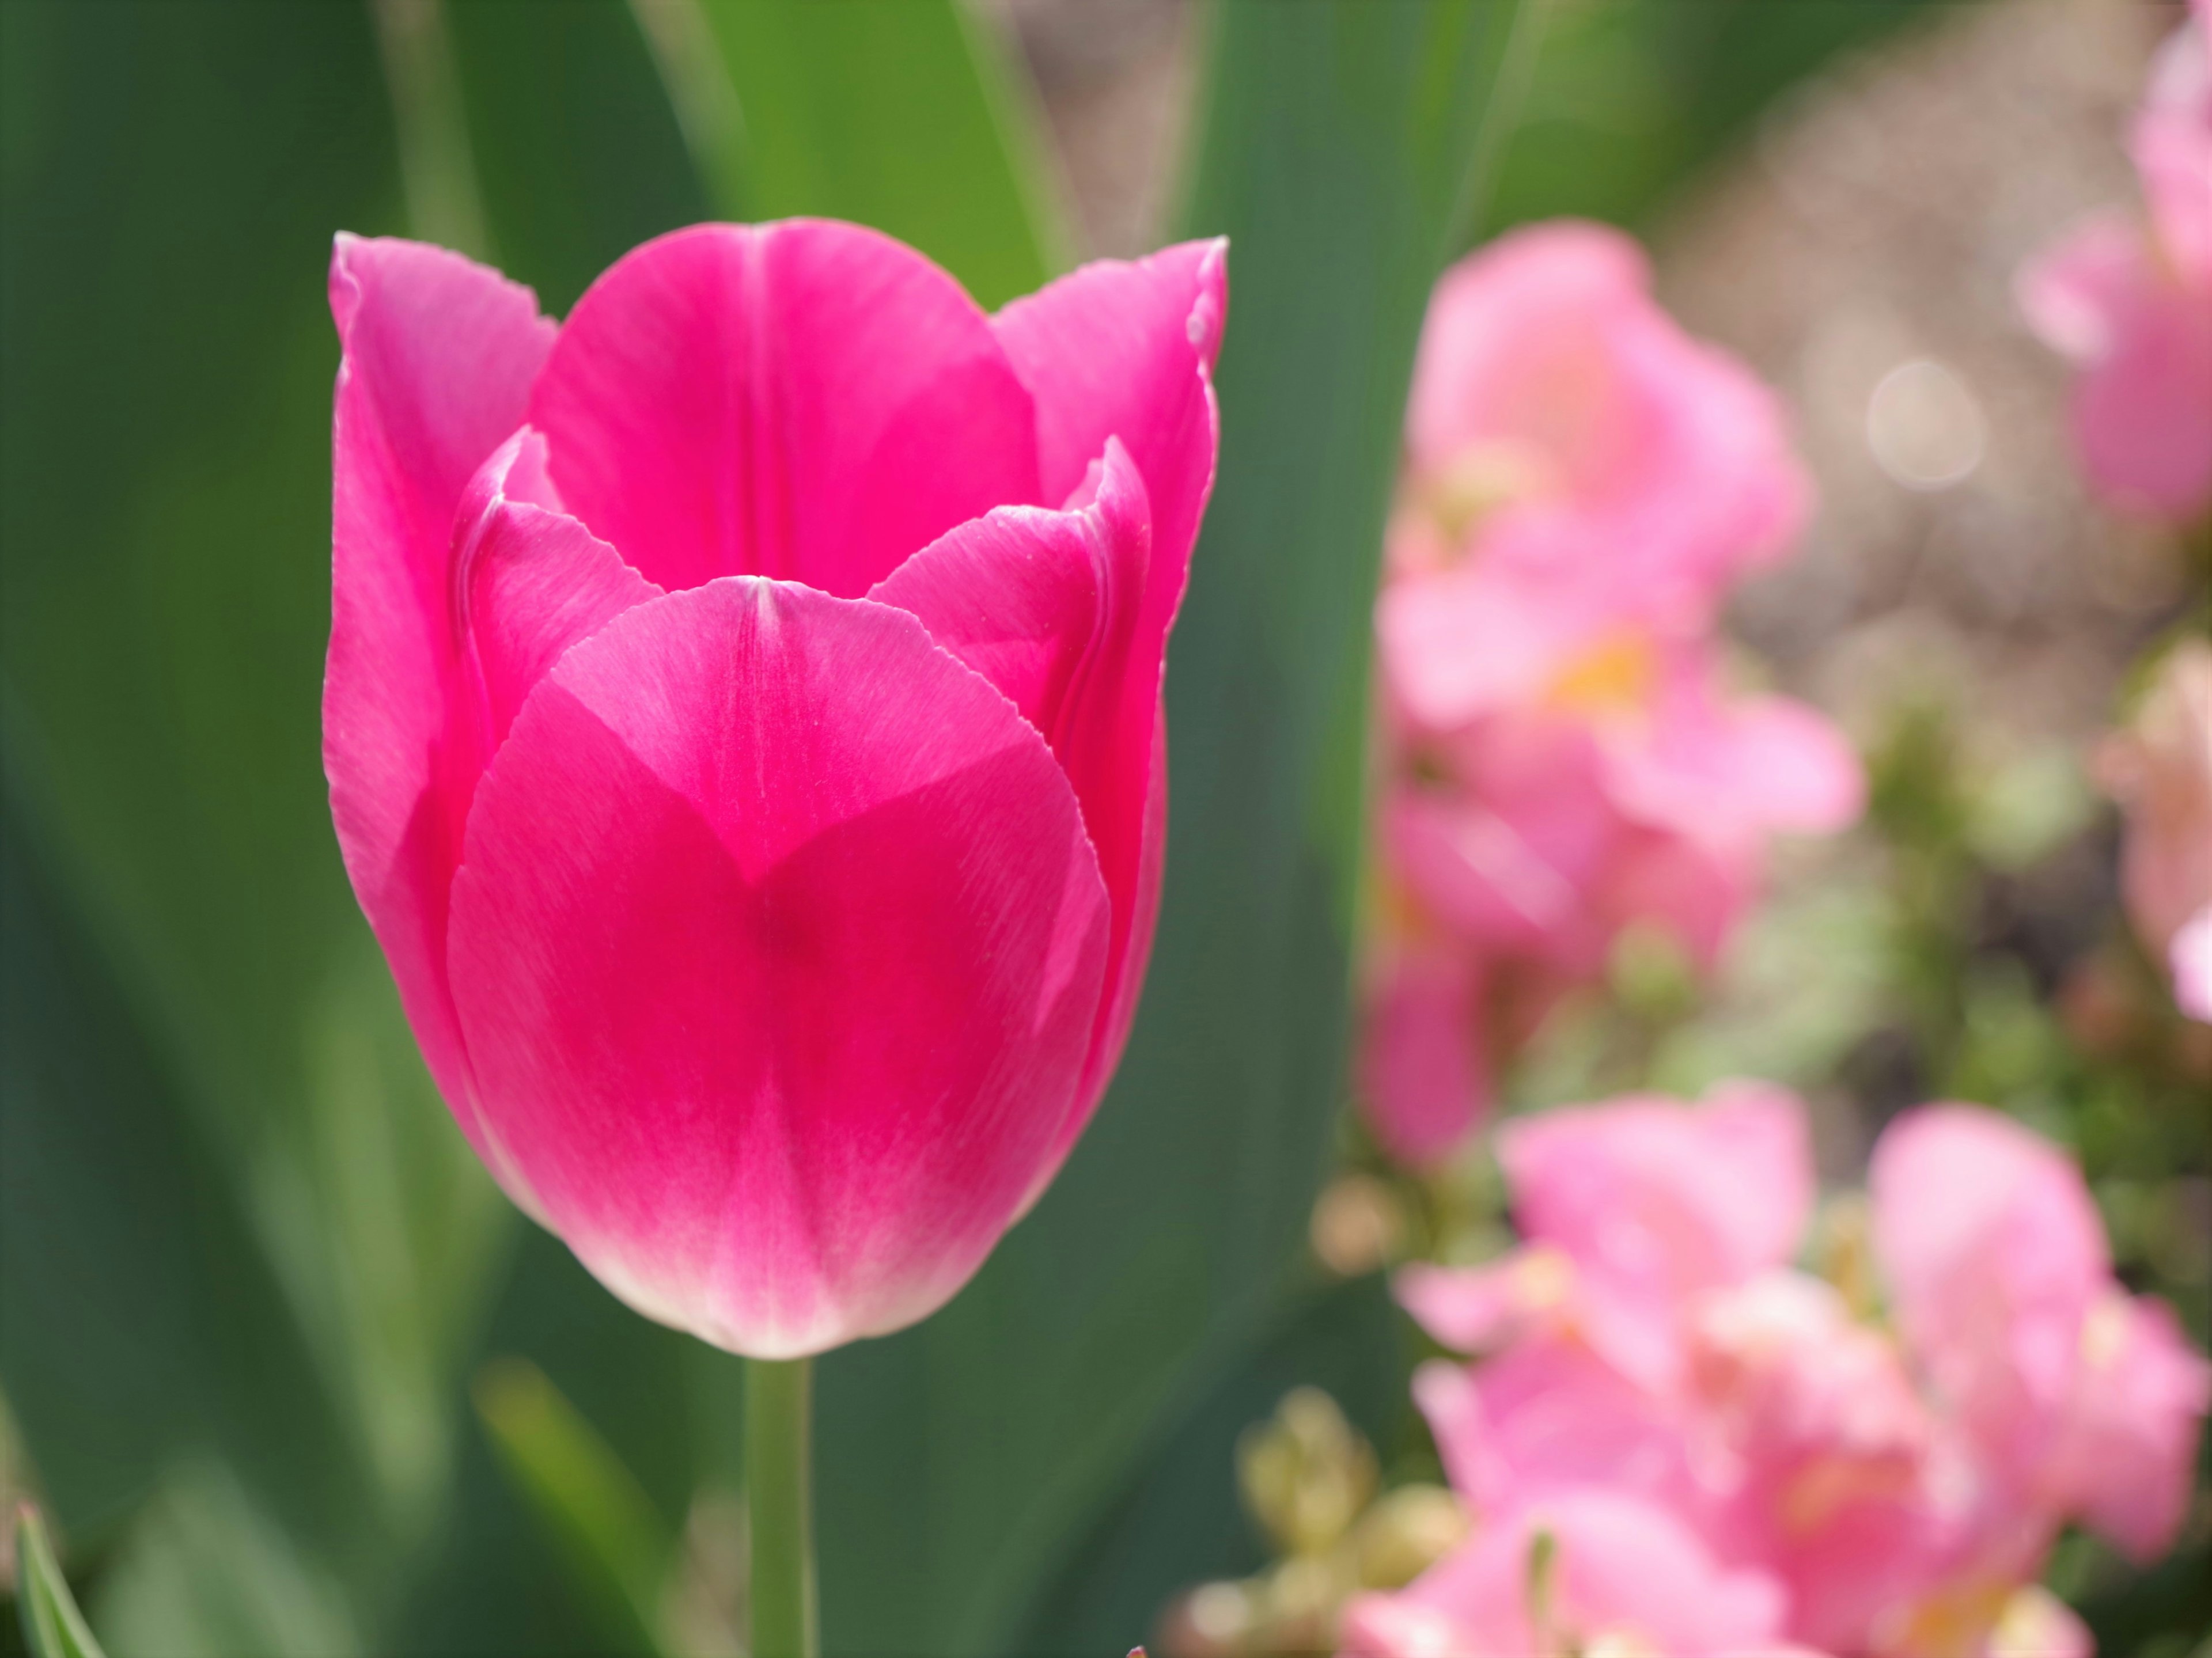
(779, 1483)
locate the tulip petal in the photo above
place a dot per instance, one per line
(531, 582)
(778, 946)
(805, 400)
(1048, 606)
(1126, 349)
(439, 356)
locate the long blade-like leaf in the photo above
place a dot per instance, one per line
(894, 113)
(51, 1624)
(589, 1506)
(963, 1461)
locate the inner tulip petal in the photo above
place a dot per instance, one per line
(530, 582)
(804, 400)
(1126, 349)
(778, 947)
(1051, 607)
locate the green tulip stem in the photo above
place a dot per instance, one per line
(779, 1482)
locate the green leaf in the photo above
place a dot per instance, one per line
(590, 1507)
(1178, 1520)
(138, 1314)
(205, 1572)
(52, 1623)
(237, 1219)
(894, 113)
(963, 1462)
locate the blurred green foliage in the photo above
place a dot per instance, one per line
(248, 1271)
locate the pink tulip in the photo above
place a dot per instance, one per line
(2076, 1398)
(2130, 300)
(743, 721)
(1585, 1572)
(2159, 769)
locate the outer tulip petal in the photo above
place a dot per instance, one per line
(778, 945)
(438, 355)
(1049, 607)
(804, 400)
(1126, 349)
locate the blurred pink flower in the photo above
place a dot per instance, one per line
(1585, 1571)
(744, 726)
(1648, 1341)
(2076, 1398)
(1581, 483)
(2190, 958)
(2159, 767)
(1556, 408)
(2129, 299)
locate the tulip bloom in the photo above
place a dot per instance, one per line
(745, 732)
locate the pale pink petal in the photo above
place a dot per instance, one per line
(438, 357)
(2190, 957)
(1127, 350)
(2139, 1407)
(779, 946)
(1049, 606)
(2072, 294)
(805, 400)
(1994, 1254)
(1424, 1076)
(1593, 441)
(1550, 1415)
(1621, 1573)
(1652, 1196)
(1731, 772)
(1469, 640)
(2171, 146)
(2143, 414)
(1473, 1310)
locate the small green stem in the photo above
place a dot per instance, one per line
(779, 1483)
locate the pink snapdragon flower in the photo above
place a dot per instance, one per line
(2160, 770)
(742, 720)
(2076, 1398)
(1897, 1490)
(1581, 483)
(2190, 956)
(1556, 407)
(2128, 297)
(1588, 1572)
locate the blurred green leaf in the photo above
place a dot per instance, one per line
(1178, 1520)
(592, 1509)
(896, 113)
(206, 1572)
(237, 1219)
(52, 1623)
(963, 1462)
(138, 1315)
(1631, 98)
